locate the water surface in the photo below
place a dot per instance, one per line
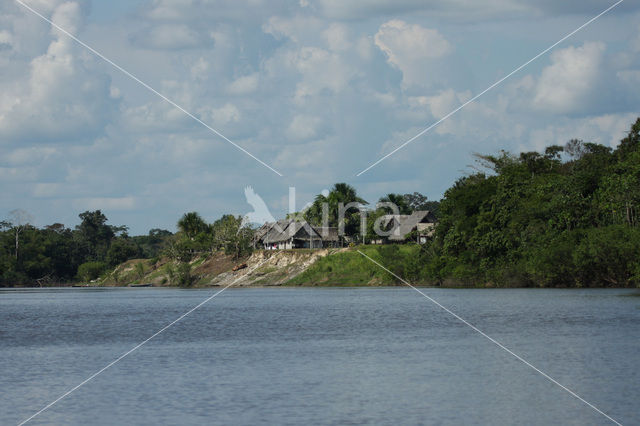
(319, 356)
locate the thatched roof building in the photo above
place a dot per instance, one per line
(402, 225)
(290, 234)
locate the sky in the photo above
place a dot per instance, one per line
(317, 90)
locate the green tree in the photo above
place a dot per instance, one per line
(417, 201)
(398, 200)
(230, 234)
(94, 234)
(121, 250)
(91, 270)
(341, 194)
(192, 224)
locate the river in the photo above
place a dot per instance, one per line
(291, 356)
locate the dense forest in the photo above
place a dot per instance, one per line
(564, 217)
(56, 254)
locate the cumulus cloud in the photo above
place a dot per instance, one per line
(410, 48)
(299, 29)
(303, 127)
(311, 87)
(337, 36)
(64, 96)
(463, 10)
(566, 84)
(225, 114)
(606, 129)
(244, 85)
(6, 40)
(320, 70)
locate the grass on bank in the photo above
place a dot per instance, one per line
(350, 268)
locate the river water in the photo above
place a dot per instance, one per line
(283, 356)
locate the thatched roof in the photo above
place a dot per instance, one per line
(284, 230)
(327, 233)
(262, 231)
(403, 224)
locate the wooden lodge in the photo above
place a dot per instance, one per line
(291, 234)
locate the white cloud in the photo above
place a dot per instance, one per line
(457, 10)
(410, 48)
(446, 101)
(314, 97)
(200, 69)
(6, 40)
(337, 37)
(244, 85)
(320, 70)
(607, 129)
(226, 114)
(565, 85)
(303, 127)
(299, 29)
(63, 96)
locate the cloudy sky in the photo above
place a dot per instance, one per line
(318, 90)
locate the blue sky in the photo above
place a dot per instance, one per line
(317, 89)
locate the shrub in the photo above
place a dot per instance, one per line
(91, 270)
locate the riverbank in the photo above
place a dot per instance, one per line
(341, 267)
(265, 268)
(308, 268)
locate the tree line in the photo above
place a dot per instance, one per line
(57, 254)
(568, 216)
(565, 217)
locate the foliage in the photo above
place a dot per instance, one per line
(180, 275)
(341, 197)
(566, 217)
(53, 254)
(121, 250)
(191, 224)
(417, 201)
(91, 270)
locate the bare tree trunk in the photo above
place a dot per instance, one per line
(17, 241)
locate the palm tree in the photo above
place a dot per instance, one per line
(341, 193)
(398, 200)
(192, 224)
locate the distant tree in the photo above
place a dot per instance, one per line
(121, 250)
(631, 143)
(19, 220)
(230, 234)
(191, 224)
(91, 270)
(398, 200)
(94, 234)
(417, 201)
(341, 193)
